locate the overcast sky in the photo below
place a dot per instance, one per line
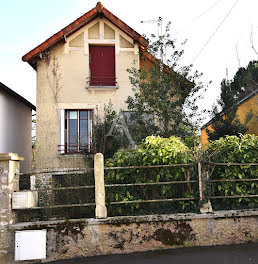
(27, 23)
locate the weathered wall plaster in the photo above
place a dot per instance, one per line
(120, 235)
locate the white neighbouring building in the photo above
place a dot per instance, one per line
(16, 125)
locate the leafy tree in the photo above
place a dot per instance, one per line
(104, 141)
(226, 121)
(165, 93)
(245, 80)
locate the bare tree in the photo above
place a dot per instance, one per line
(252, 41)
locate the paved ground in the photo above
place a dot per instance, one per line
(237, 254)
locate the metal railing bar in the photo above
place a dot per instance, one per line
(135, 201)
(234, 196)
(72, 172)
(153, 201)
(148, 183)
(74, 145)
(149, 167)
(134, 167)
(231, 164)
(113, 185)
(64, 188)
(57, 206)
(234, 180)
(56, 172)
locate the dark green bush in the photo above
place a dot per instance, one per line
(234, 149)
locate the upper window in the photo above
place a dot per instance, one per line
(78, 131)
(102, 66)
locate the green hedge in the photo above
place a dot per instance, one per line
(234, 149)
(152, 151)
(159, 151)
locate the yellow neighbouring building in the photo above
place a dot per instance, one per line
(245, 105)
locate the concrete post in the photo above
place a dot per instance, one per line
(9, 182)
(205, 203)
(101, 210)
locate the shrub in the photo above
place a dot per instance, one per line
(152, 151)
(234, 149)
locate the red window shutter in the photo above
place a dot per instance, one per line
(102, 66)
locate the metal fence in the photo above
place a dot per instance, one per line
(142, 192)
(61, 194)
(232, 185)
(135, 190)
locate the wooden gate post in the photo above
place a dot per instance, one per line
(101, 210)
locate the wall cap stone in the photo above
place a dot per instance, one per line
(137, 219)
(10, 156)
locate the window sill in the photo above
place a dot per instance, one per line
(102, 88)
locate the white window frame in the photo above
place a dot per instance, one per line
(64, 147)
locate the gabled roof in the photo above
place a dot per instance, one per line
(98, 11)
(241, 101)
(17, 96)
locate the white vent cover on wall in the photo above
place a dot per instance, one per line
(30, 244)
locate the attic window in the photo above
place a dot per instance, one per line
(102, 66)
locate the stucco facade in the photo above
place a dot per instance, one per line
(250, 104)
(63, 83)
(15, 126)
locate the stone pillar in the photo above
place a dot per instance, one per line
(101, 210)
(9, 182)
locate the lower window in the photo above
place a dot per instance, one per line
(78, 131)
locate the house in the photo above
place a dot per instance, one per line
(79, 70)
(15, 125)
(245, 105)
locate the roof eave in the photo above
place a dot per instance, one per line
(99, 10)
(36, 51)
(238, 104)
(16, 95)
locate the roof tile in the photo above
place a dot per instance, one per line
(84, 19)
